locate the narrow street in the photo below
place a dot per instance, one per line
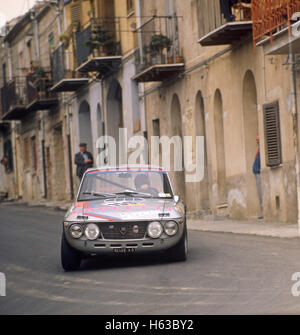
(225, 273)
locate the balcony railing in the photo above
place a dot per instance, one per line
(220, 25)
(64, 79)
(13, 98)
(269, 15)
(39, 96)
(159, 57)
(98, 45)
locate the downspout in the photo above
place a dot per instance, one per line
(36, 34)
(37, 51)
(294, 109)
(69, 149)
(141, 85)
(10, 75)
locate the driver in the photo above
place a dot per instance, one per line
(142, 184)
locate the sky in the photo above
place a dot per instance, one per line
(12, 8)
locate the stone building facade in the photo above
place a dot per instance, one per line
(221, 95)
(174, 68)
(35, 115)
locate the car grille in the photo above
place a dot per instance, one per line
(123, 230)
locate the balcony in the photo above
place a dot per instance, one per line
(98, 47)
(226, 25)
(13, 99)
(159, 58)
(272, 22)
(39, 96)
(64, 80)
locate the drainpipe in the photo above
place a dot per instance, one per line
(45, 195)
(68, 130)
(139, 23)
(9, 62)
(36, 34)
(295, 126)
(141, 85)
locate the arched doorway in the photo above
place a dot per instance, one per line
(203, 186)
(250, 118)
(85, 129)
(115, 115)
(176, 130)
(220, 148)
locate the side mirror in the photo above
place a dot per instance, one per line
(176, 198)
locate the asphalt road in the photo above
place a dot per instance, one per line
(225, 274)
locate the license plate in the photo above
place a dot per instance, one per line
(124, 250)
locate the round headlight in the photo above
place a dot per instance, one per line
(76, 230)
(171, 228)
(154, 229)
(92, 231)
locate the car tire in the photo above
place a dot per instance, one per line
(179, 252)
(70, 258)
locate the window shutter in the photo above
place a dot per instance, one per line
(272, 134)
(76, 13)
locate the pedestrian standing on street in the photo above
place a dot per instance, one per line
(84, 160)
(256, 171)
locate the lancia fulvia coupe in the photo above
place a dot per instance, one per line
(124, 210)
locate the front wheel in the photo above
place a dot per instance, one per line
(179, 252)
(70, 258)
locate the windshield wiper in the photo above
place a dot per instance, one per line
(133, 193)
(102, 195)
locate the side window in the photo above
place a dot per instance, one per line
(272, 134)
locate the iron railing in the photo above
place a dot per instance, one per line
(38, 86)
(99, 37)
(160, 41)
(210, 15)
(13, 94)
(61, 63)
(269, 15)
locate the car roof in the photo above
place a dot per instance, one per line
(126, 167)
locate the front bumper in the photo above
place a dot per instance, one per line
(109, 247)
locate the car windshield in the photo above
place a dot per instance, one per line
(114, 183)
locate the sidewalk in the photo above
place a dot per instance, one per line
(251, 227)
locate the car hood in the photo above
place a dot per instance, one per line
(125, 209)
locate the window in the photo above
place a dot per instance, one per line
(272, 134)
(26, 155)
(33, 153)
(129, 6)
(76, 13)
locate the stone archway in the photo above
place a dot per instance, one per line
(85, 128)
(220, 148)
(176, 130)
(115, 115)
(203, 186)
(250, 120)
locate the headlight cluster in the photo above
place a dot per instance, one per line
(91, 231)
(155, 229)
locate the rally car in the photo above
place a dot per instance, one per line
(123, 211)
